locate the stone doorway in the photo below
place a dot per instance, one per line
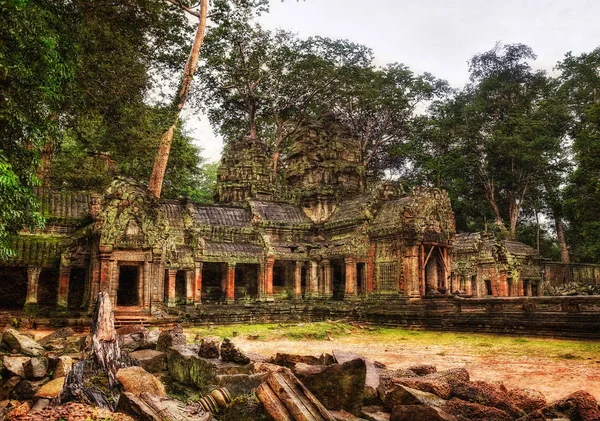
(128, 288)
(361, 278)
(246, 280)
(338, 279)
(77, 283)
(212, 281)
(13, 287)
(180, 287)
(48, 288)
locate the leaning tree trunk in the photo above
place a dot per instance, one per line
(94, 378)
(562, 242)
(164, 148)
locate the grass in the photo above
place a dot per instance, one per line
(447, 342)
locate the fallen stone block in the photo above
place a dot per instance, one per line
(171, 338)
(150, 360)
(51, 389)
(64, 365)
(475, 411)
(345, 416)
(402, 395)
(22, 344)
(375, 413)
(420, 413)
(240, 384)
(423, 369)
(209, 348)
(526, 399)
(230, 353)
(131, 338)
(17, 365)
(147, 407)
(136, 380)
(372, 376)
(579, 406)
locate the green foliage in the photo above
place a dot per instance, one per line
(35, 65)
(580, 88)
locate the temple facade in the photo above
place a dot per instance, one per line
(316, 233)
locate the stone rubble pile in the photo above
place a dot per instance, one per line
(213, 380)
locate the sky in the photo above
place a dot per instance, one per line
(435, 36)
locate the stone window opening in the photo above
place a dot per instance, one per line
(338, 276)
(212, 281)
(488, 287)
(246, 280)
(77, 281)
(47, 288)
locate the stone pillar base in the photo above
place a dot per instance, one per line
(31, 308)
(172, 302)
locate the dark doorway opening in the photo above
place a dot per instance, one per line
(360, 278)
(534, 289)
(212, 277)
(246, 280)
(13, 288)
(338, 278)
(509, 287)
(303, 280)
(283, 277)
(180, 287)
(488, 287)
(48, 288)
(76, 287)
(127, 292)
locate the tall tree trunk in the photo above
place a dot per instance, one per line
(560, 234)
(489, 195)
(513, 209)
(164, 148)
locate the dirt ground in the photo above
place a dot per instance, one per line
(554, 377)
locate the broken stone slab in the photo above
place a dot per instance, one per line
(402, 395)
(131, 338)
(136, 380)
(290, 360)
(185, 366)
(147, 407)
(64, 365)
(577, 406)
(17, 365)
(487, 394)
(209, 347)
(423, 369)
(59, 334)
(230, 353)
(240, 384)
(150, 360)
(438, 387)
(171, 338)
(337, 386)
(342, 415)
(39, 367)
(375, 413)
(22, 344)
(475, 411)
(452, 374)
(51, 389)
(372, 376)
(420, 413)
(40, 405)
(285, 398)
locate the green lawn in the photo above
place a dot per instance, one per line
(481, 344)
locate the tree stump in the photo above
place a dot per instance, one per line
(93, 380)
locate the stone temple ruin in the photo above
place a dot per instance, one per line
(318, 234)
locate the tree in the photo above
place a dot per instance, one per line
(35, 65)
(580, 88)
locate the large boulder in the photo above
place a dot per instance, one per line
(150, 360)
(136, 380)
(22, 344)
(290, 360)
(51, 389)
(420, 413)
(185, 366)
(171, 338)
(423, 369)
(230, 353)
(17, 365)
(337, 386)
(475, 411)
(402, 395)
(372, 376)
(240, 384)
(132, 338)
(6, 386)
(60, 334)
(39, 367)
(526, 399)
(438, 387)
(580, 406)
(64, 365)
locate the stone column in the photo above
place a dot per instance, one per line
(327, 286)
(422, 289)
(64, 277)
(313, 279)
(370, 269)
(520, 288)
(198, 283)
(351, 281)
(529, 289)
(33, 277)
(189, 286)
(171, 296)
(105, 273)
(269, 277)
(298, 279)
(230, 282)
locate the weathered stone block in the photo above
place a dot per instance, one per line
(150, 360)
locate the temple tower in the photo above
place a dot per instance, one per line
(245, 173)
(323, 166)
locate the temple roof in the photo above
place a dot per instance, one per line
(348, 211)
(219, 215)
(519, 249)
(279, 212)
(64, 204)
(37, 250)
